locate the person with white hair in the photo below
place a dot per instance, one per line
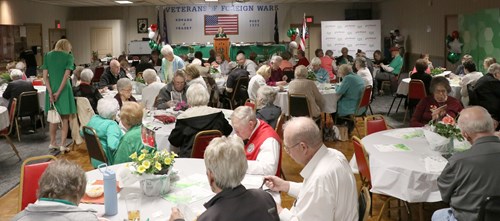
(196, 118)
(363, 71)
(266, 110)
(173, 93)
(111, 75)
(470, 176)
(61, 187)
(321, 74)
(226, 166)
(258, 81)
(152, 89)
(246, 64)
(76, 76)
(170, 64)
(263, 148)
(277, 76)
(124, 88)
(327, 62)
(302, 85)
(106, 128)
(16, 86)
(328, 191)
(350, 92)
(86, 89)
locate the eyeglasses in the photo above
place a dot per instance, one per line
(287, 148)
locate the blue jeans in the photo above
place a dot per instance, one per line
(443, 215)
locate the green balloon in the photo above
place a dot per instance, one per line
(289, 33)
(453, 57)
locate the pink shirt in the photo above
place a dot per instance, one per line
(326, 63)
(428, 71)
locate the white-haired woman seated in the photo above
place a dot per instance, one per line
(86, 89)
(131, 142)
(170, 64)
(226, 165)
(266, 110)
(107, 129)
(59, 200)
(124, 87)
(16, 86)
(259, 80)
(322, 75)
(152, 89)
(302, 85)
(197, 118)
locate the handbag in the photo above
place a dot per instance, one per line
(52, 115)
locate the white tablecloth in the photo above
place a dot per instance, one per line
(330, 99)
(112, 94)
(455, 88)
(402, 174)
(41, 97)
(162, 131)
(4, 118)
(157, 208)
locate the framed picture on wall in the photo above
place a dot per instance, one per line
(142, 25)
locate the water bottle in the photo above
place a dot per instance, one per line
(110, 195)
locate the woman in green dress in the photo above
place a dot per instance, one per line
(57, 66)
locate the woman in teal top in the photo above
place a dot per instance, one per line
(350, 92)
(107, 129)
(57, 66)
(322, 75)
(131, 142)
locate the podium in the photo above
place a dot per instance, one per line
(221, 45)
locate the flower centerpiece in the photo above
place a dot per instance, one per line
(153, 167)
(447, 129)
(311, 75)
(181, 106)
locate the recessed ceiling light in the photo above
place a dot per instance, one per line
(211, 0)
(124, 2)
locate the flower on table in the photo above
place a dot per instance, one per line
(448, 120)
(133, 156)
(146, 164)
(152, 161)
(447, 128)
(158, 166)
(141, 169)
(141, 157)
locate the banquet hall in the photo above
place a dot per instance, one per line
(386, 83)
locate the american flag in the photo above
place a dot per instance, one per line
(228, 22)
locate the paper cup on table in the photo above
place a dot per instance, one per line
(133, 201)
(436, 141)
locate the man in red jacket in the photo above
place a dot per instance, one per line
(263, 146)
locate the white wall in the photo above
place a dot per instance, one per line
(19, 12)
(79, 33)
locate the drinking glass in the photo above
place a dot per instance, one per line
(133, 202)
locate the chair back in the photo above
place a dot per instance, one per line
(472, 94)
(289, 74)
(366, 97)
(97, 74)
(30, 174)
(489, 209)
(364, 203)
(37, 82)
(240, 93)
(12, 117)
(298, 105)
(94, 145)
(27, 104)
(201, 141)
(362, 161)
(251, 104)
(279, 125)
(416, 90)
(374, 123)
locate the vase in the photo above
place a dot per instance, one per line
(155, 185)
(450, 147)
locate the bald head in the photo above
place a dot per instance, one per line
(240, 58)
(302, 129)
(114, 65)
(475, 122)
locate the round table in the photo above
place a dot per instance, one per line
(4, 118)
(455, 88)
(190, 172)
(403, 174)
(330, 99)
(41, 97)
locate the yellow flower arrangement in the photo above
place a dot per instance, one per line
(152, 162)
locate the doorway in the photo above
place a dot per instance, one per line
(101, 40)
(34, 39)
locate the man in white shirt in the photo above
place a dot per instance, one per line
(329, 188)
(246, 64)
(262, 145)
(152, 89)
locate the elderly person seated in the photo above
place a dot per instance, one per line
(390, 72)
(76, 77)
(173, 93)
(246, 64)
(193, 76)
(152, 89)
(234, 75)
(471, 76)
(111, 75)
(345, 58)
(16, 86)
(486, 92)
(420, 74)
(277, 77)
(301, 85)
(58, 200)
(124, 87)
(266, 110)
(327, 62)
(488, 62)
(301, 55)
(170, 64)
(424, 57)
(221, 64)
(86, 89)
(197, 118)
(460, 71)
(144, 65)
(263, 148)
(350, 92)
(363, 71)
(226, 166)
(285, 63)
(106, 128)
(258, 81)
(437, 105)
(131, 142)
(321, 74)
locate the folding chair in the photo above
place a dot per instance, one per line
(364, 102)
(6, 132)
(30, 174)
(27, 105)
(201, 141)
(364, 203)
(279, 131)
(416, 90)
(374, 123)
(94, 145)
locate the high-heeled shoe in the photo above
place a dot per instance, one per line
(53, 147)
(64, 149)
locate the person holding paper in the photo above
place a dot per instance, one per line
(437, 105)
(390, 72)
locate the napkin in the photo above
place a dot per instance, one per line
(166, 119)
(435, 164)
(391, 147)
(97, 200)
(406, 134)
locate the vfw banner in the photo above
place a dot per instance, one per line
(360, 34)
(242, 22)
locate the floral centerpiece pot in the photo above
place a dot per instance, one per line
(154, 168)
(447, 129)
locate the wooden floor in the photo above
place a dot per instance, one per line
(9, 202)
